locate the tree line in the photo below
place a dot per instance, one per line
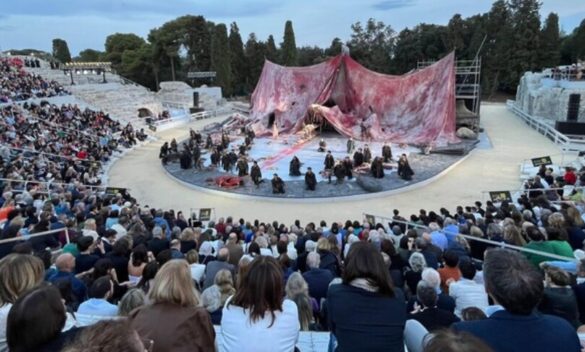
(512, 38)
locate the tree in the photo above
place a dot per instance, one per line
(526, 34)
(498, 48)
(117, 43)
(220, 59)
(373, 46)
(237, 60)
(456, 35)
(310, 55)
(289, 47)
(255, 54)
(90, 55)
(61, 50)
(271, 50)
(550, 42)
(423, 43)
(137, 65)
(335, 47)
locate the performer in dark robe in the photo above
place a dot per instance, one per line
(358, 158)
(197, 138)
(251, 134)
(277, 185)
(174, 146)
(348, 165)
(215, 157)
(242, 167)
(164, 151)
(322, 145)
(196, 155)
(295, 167)
(329, 161)
(256, 174)
(404, 170)
(367, 154)
(208, 142)
(242, 149)
(226, 162)
(186, 159)
(310, 179)
(247, 141)
(225, 140)
(339, 172)
(386, 153)
(350, 145)
(377, 168)
(233, 157)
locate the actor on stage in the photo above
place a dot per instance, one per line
(196, 156)
(310, 179)
(348, 166)
(358, 158)
(404, 170)
(295, 167)
(339, 172)
(226, 162)
(350, 145)
(277, 185)
(256, 174)
(322, 145)
(377, 168)
(367, 154)
(386, 153)
(329, 161)
(164, 151)
(242, 167)
(215, 157)
(208, 142)
(174, 146)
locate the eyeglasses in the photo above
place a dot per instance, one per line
(148, 345)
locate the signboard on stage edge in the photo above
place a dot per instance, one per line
(112, 191)
(205, 214)
(500, 196)
(204, 74)
(152, 128)
(371, 219)
(545, 160)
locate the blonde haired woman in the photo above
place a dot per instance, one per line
(297, 291)
(173, 319)
(19, 273)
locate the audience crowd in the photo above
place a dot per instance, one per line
(16, 84)
(118, 276)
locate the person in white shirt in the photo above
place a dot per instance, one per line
(197, 270)
(257, 318)
(89, 229)
(120, 227)
(466, 291)
(97, 307)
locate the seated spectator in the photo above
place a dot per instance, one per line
(446, 340)
(109, 335)
(297, 291)
(438, 238)
(537, 242)
(197, 270)
(133, 299)
(97, 307)
(214, 297)
(472, 313)
(159, 241)
(317, 279)
(138, 260)
(428, 314)
(450, 272)
(517, 286)
(559, 298)
(36, 320)
(430, 252)
(86, 259)
(328, 259)
(174, 301)
(119, 257)
(148, 275)
(412, 275)
(467, 292)
(175, 247)
(444, 301)
(215, 266)
(19, 273)
(558, 241)
(365, 312)
(257, 318)
(65, 264)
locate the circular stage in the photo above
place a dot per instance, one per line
(274, 155)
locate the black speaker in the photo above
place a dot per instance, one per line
(196, 99)
(573, 108)
(574, 128)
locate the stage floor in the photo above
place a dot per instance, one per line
(274, 156)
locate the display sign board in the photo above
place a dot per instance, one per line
(112, 191)
(152, 128)
(545, 160)
(204, 74)
(205, 214)
(500, 196)
(370, 219)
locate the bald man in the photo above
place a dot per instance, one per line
(215, 266)
(235, 250)
(65, 264)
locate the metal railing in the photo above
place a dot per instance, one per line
(47, 183)
(39, 234)
(566, 143)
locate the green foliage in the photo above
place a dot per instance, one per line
(526, 35)
(550, 40)
(117, 43)
(255, 55)
(61, 50)
(335, 47)
(220, 59)
(90, 55)
(310, 55)
(423, 43)
(271, 50)
(238, 62)
(373, 45)
(289, 47)
(137, 65)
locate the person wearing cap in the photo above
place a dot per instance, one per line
(310, 179)
(277, 185)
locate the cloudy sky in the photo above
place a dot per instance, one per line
(86, 23)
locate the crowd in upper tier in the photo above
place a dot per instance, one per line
(16, 84)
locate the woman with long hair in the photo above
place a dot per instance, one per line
(297, 291)
(137, 262)
(257, 318)
(366, 313)
(214, 297)
(173, 318)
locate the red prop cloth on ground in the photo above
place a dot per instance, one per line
(415, 108)
(228, 181)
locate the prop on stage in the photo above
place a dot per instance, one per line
(229, 181)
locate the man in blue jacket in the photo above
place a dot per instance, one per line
(515, 284)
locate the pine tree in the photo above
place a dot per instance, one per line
(271, 50)
(289, 46)
(550, 40)
(61, 50)
(237, 60)
(220, 59)
(255, 54)
(526, 26)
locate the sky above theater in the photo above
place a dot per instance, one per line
(87, 23)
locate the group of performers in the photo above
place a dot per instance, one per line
(220, 154)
